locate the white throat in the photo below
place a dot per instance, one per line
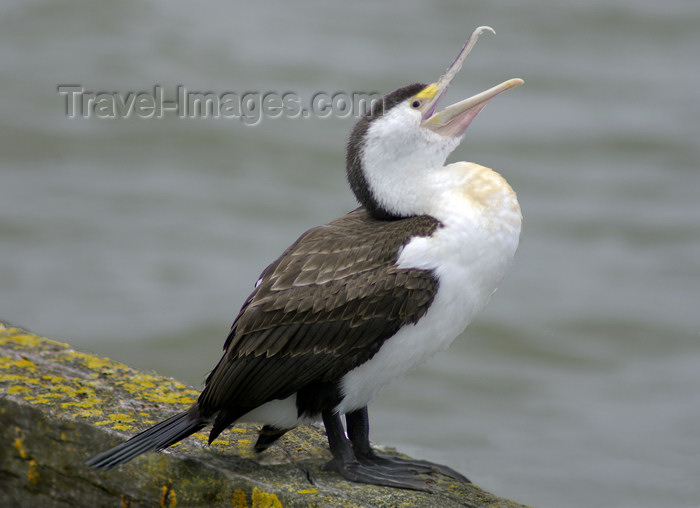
(396, 157)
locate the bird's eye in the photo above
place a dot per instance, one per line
(417, 103)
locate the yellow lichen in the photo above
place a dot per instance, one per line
(307, 491)
(19, 446)
(118, 421)
(43, 398)
(160, 394)
(14, 390)
(122, 417)
(126, 502)
(93, 362)
(265, 499)
(201, 436)
(7, 362)
(19, 379)
(86, 404)
(169, 398)
(239, 499)
(122, 426)
(29, 339)
(168, 499)
(24, 339)
(87, 413)
(147, 380)
(33, 472)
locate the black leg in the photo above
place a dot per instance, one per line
(358, 432)
(338, 443)
(268, 435)
(345, 462)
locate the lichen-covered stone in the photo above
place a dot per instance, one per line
(59, 406)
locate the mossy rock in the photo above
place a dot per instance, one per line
(59, 406)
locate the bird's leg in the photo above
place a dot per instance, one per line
(346, 463)
(358, 432)
(268, 435)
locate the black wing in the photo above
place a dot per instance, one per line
(324, 306)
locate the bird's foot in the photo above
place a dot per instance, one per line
(355, 460)
(378, 474)
(412, 465)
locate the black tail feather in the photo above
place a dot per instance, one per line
(162, 435)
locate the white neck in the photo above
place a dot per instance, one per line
(397, 156)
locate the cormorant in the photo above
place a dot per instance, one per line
(364, 299)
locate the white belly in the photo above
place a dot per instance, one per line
(280, 413)
(452, 310)
(403, 352)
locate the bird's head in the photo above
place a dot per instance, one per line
(403, 136)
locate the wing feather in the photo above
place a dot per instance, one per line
(324, 306)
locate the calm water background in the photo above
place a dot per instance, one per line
(140, 238)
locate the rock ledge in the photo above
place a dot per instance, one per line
(59, 406)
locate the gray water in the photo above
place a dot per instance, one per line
(140, 238)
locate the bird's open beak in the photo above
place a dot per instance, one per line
(454, 120)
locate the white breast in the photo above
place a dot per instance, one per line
(469, 255)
